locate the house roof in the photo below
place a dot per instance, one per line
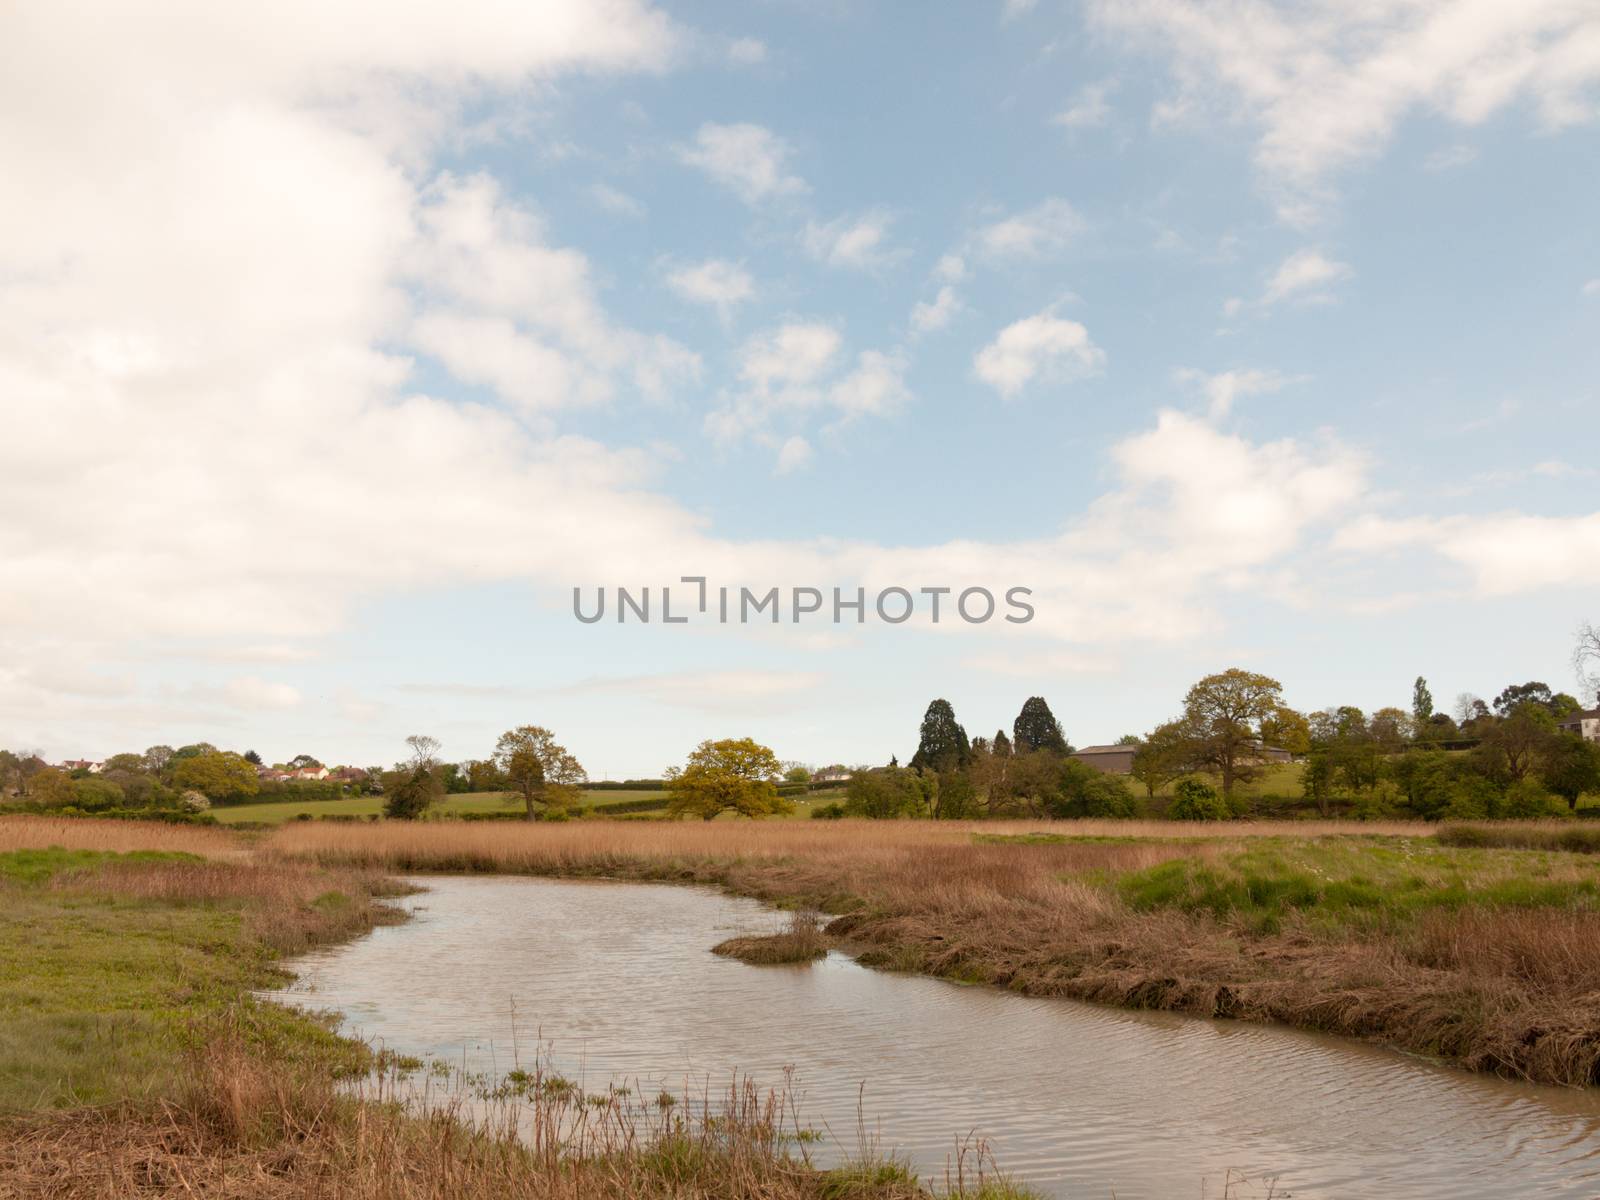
(1106, 750)
(1583, 714)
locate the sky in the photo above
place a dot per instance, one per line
(340, 343)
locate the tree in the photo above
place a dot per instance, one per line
(1511, 747)
(409, 792)
(484, 775)
(251, 757)
(300, 761)
(1521, 693)
(1421, 702)
(1036, 728)
(1002, 744)
(156, 758)
(1082, 791)
(538, 768)
(424, 752)
(1469, 709)
(1571, 767)
(1196, 800)
(53, 788)
(1391, 729)
(942, 745)
(1223, 715)
(219, 774)
(732, 775)
(1161, 757)
(1287, 729)
(1586, 659)
(888, 792)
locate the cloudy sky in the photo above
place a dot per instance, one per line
(338, 343)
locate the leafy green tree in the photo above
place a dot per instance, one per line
(889, 792)
(485, 775)
(53, 788)
(955, 796)
(1421, 703)
(409, 792)
(251, 757)
(1196, 800)
(1222, 716)
(732, 775)
(1521, 693)
(1316, 782)
(1571, 767)
(219, 774)
(156, 759)
(97, 795)
(539, 769)
(1001, 746)
(123, 762)
(1161, 757)
(796, 773)
(1511, 747)
(1081, 791)
(1390, 729)
(1287, 729)
(301, 761)
(1036, 728)
(942, 745)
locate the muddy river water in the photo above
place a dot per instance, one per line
(1076, 1100)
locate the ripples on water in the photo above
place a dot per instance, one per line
(1077, 1100)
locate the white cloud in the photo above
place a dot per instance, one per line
(254, 692)
(1327, 81)
(793, 455)
(1224, 387)
(874, 388)
(750, 160)
(1591, 288)
(614, 200)
(1041, 347)
(747, 51)
(721, 284)
(1506, 553)
(1306, 275)
(1039, 232)
(1088, 108)
(793, 355)
(935, 314)
(850, 241)
(951, 268)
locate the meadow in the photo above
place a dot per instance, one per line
(137, 1061)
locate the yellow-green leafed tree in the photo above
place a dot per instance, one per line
(218, 774)
(538, 768)
(734, 775)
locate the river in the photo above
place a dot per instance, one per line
(1076, 1100)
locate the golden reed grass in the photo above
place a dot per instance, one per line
(20, 831)
(1490, 989)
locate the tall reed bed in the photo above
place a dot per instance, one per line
(19, 831)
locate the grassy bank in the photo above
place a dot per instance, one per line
(135, 1061)
(1485, 957)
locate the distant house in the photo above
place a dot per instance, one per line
(1585, 723)
(348, 775)
(1113, 760)
(82, 764)
(831, 775)
(309, 773)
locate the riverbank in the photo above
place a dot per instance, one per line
(138, 1061)
(1484, 957)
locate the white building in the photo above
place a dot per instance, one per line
(1586, 724)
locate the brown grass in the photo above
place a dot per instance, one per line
(19, 831)
(802, 942)
(249, 1130)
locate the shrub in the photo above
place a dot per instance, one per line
(1083, 791)
(1196, 800)
(827, 812)
(195, 801)
(1529, 798)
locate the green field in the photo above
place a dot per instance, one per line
(276, 812)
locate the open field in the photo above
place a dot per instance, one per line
(596, 802)
(136, 1061)
(1485, 957)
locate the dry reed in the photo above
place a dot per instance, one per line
(20, 831)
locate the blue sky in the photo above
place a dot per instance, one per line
(337, 353)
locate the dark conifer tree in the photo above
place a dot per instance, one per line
(943, 744)
(1036, 728)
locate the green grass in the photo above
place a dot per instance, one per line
(1360, 883)
(101, 994)
(275, 812)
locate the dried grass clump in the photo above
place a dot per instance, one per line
(802, 942)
